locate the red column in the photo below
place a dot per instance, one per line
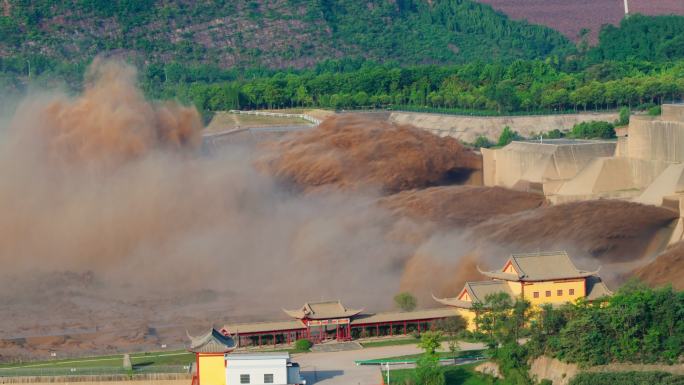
(274, 339)
(377, 330)
(391, 329)
(418, 326)
(404, 327)
(349, 331)
(259, 339)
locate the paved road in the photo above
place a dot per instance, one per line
(338, 368)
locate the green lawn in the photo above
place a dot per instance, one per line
(169, 358)
(454, 375)
(403, 341)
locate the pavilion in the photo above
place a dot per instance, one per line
(540, 278)
(331, 320)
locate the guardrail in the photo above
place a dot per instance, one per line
(405, 361)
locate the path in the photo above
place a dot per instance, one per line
(338, 368)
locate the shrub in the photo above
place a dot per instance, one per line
(481, 142)
(593, 129)
(303, 345)
(624, 117)
(428, 371)
(654, 111)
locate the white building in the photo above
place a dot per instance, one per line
(262, 369)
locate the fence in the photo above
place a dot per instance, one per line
(306, 117)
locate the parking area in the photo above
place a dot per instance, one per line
(338, 368)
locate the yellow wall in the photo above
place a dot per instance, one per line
(212, 370)
(516, 287)
(553, 287)
(469, 316)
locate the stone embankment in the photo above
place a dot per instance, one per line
(561, 373)
(468, 128)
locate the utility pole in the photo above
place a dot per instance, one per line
(29, 69)
(626, 8)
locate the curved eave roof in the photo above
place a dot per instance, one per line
(211, 342)
(454, 302)
(322, 310)
(537, 277)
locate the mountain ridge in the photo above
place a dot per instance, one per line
(274, 34)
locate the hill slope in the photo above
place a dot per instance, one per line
(270, 33)
(569, 17)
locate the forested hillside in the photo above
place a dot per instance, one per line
(640, 37)
(269, 33)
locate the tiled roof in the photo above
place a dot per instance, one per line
(211, 342)
(540, 266)
(323, 310)
(258, 327)
(478, 292)
(404, 316)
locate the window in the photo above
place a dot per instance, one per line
(244, 378)
(268, 378)
(548, 293)
(559, 293)
(535, 294)
(572, 291)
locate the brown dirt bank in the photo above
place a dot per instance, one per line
(460, 206)
(606, 230)
(353, 151)
(616, 234)
(667, 268)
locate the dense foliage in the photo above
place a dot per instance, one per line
(272, 33)
(637, 324)
(593, 130)
(627, 378)
(522, 87)
(643, 38)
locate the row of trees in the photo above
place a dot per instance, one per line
(521, 87)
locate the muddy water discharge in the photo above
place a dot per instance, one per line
(117, 234)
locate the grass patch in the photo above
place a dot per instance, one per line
(403, 341)
(169, 358)
(454, 375)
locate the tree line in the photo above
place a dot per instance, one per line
(521, 87)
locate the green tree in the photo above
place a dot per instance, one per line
(623, 120)
(405, 301)
(430, 341)
(428, 370)
(451, 327)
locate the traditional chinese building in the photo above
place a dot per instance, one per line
(331, 320)
(540, 278)
(210, 350)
